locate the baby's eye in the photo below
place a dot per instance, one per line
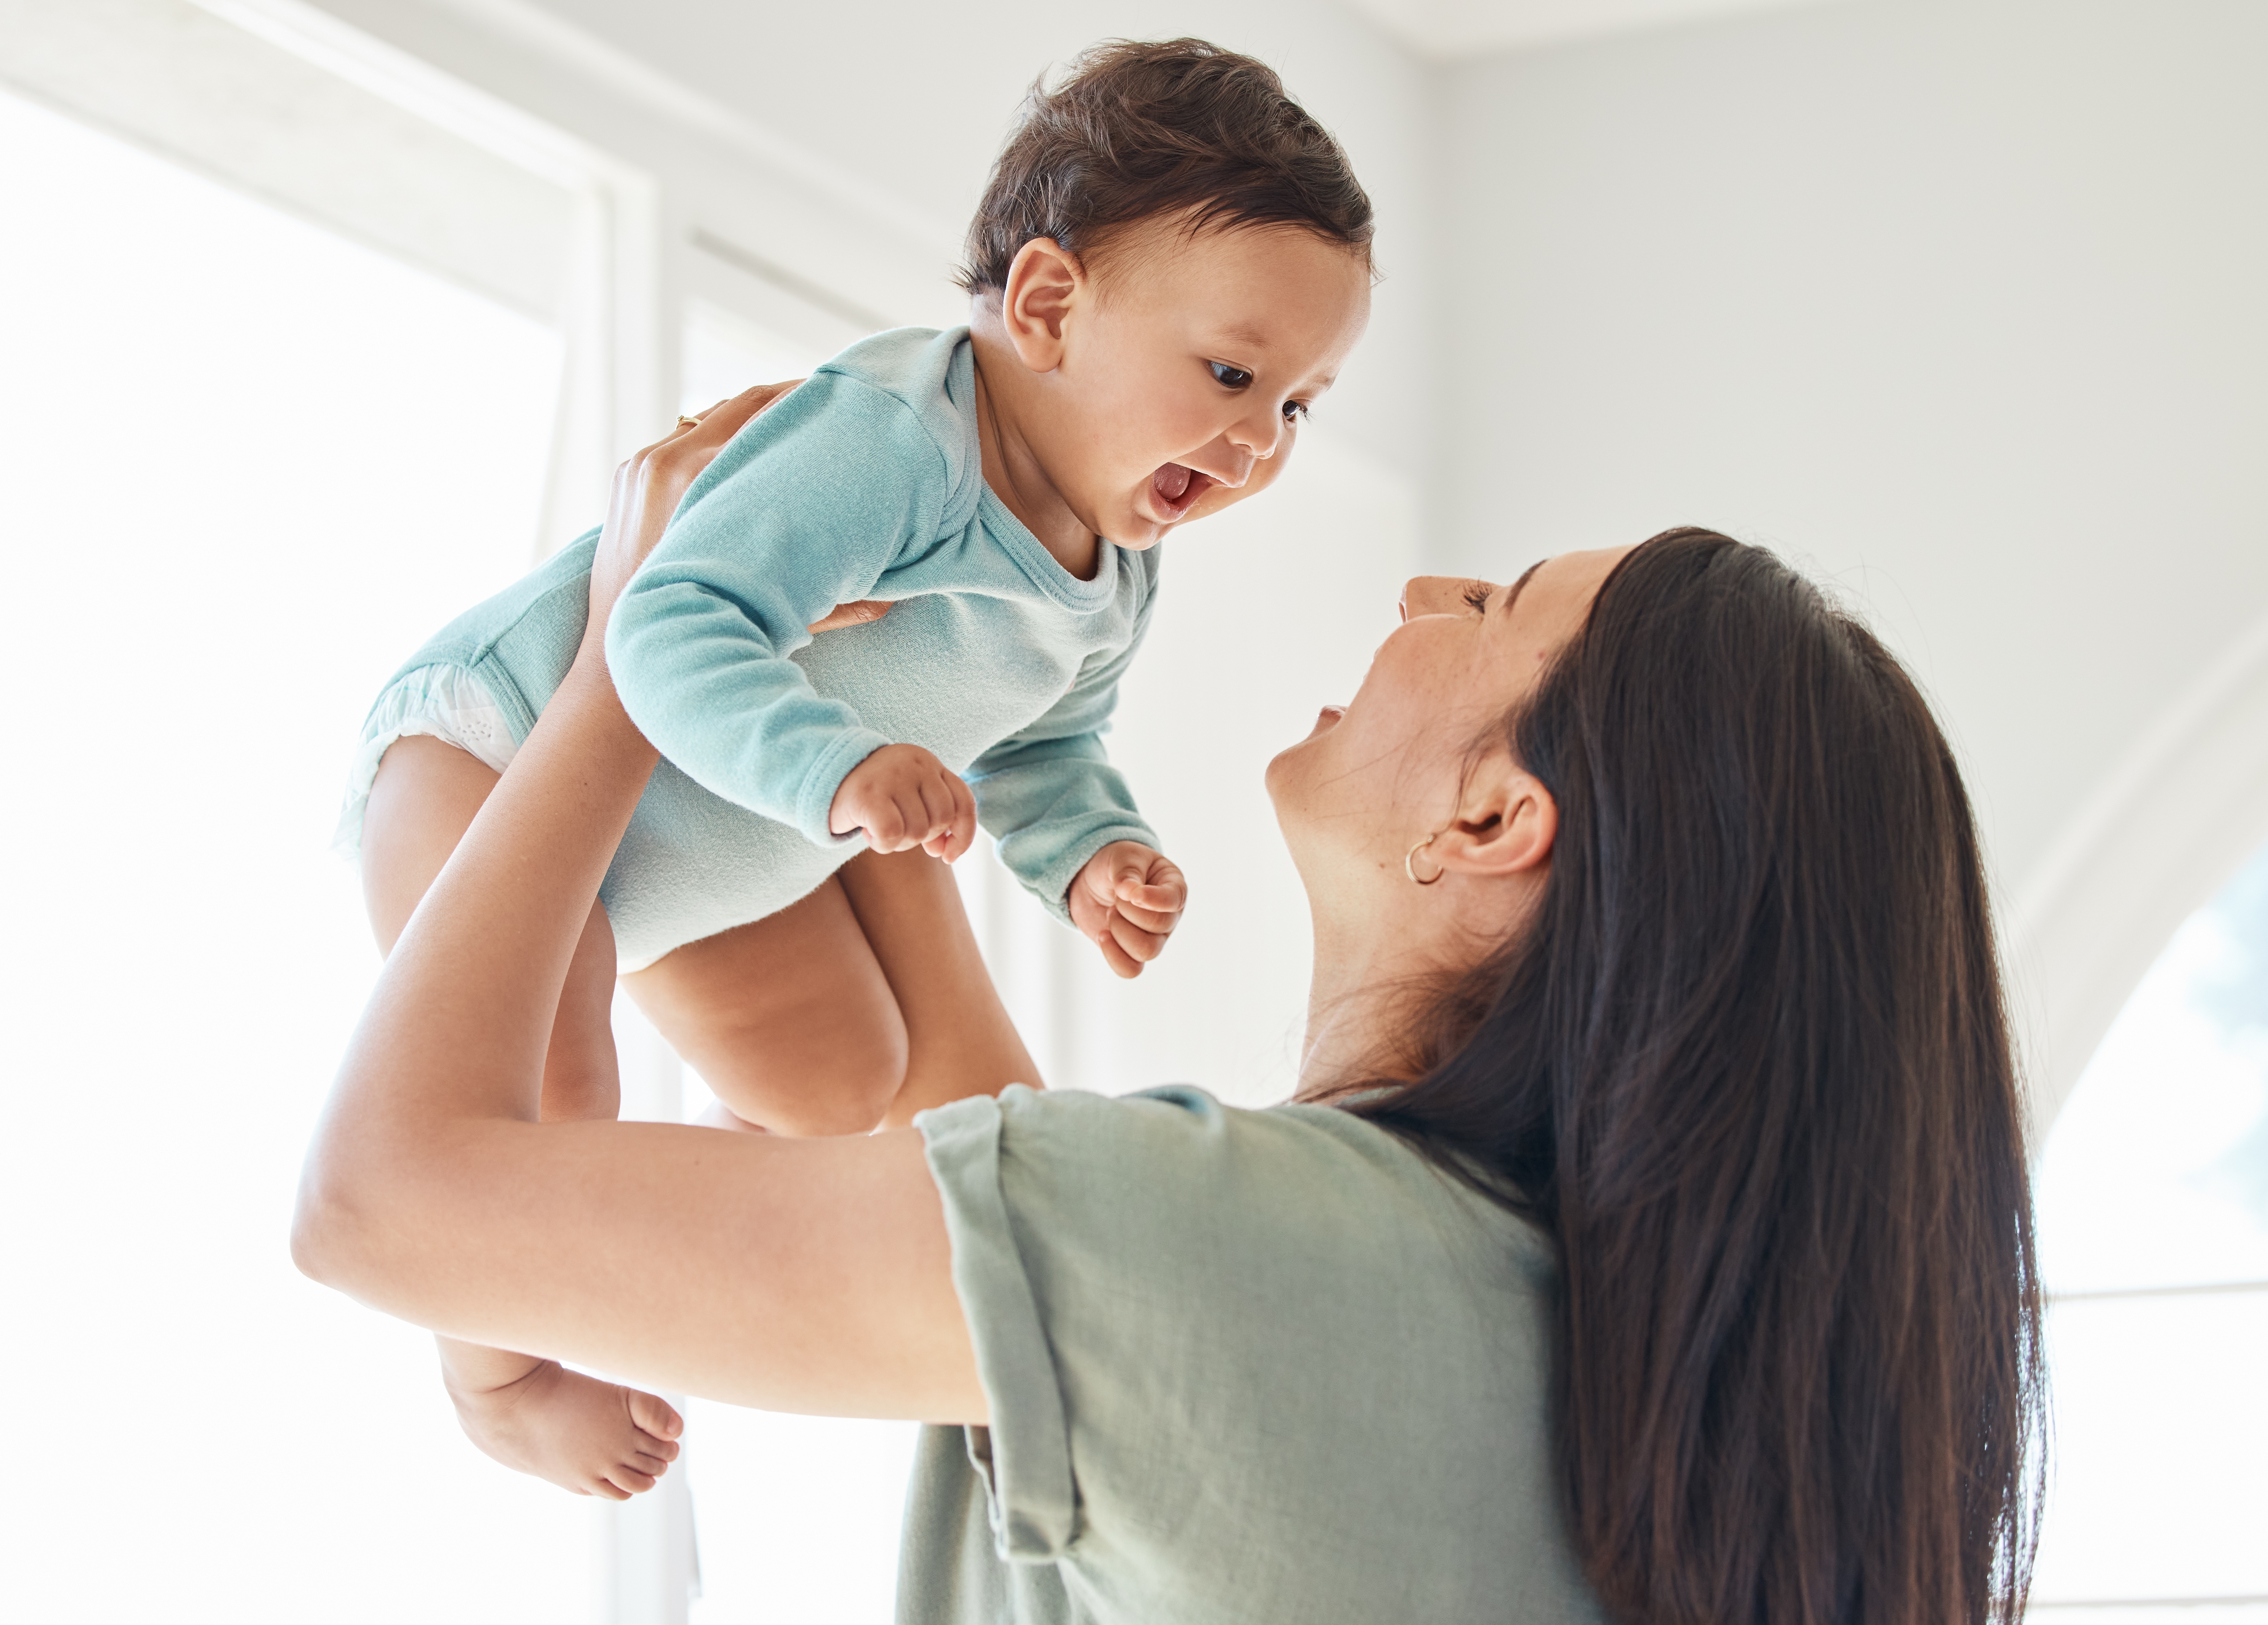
(1228, 376)
(1478, 594)
(1294, 410)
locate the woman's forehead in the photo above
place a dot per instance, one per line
(1576, 574)
(1549, 602)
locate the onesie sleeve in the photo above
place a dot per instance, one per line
(1048, 796)
(805, 510)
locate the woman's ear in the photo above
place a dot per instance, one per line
(1505, 824)
(1044, 283)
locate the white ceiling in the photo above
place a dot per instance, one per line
(1445, 30)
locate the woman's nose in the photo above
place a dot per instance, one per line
(1433, 595)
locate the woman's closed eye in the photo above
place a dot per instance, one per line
(1477, 595)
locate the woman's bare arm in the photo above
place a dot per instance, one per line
(797, 1275)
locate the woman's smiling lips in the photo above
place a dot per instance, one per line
(1326, 719)
(1175, 488)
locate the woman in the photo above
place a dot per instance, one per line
(1651, 1240)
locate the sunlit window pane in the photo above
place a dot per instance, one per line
(2154, 1234)
(249, 466)
(2157, 1172)
(724, 354)
(2159, 1433)
(2163, 1614)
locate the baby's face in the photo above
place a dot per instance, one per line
(1185, 375)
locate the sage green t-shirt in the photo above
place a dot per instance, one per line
(1242, 1366)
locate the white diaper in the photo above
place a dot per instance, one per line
(444, 702)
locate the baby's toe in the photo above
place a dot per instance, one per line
(656, 1416)
(629, 1480)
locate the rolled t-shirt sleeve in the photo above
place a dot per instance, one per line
(1130, 1267)
(1213, 1341)
(1034, 1506)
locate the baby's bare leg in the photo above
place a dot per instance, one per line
(788, 1019)
(593, 1437)
(858, 1006)
(959, 1038)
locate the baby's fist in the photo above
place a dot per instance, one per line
(1128, 899)
(901, 796)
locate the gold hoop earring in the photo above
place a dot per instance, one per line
(1410, 861)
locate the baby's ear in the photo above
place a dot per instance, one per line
(1045, 282)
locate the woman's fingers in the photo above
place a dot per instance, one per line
(851, 614)
(649, 486)
(680, 456)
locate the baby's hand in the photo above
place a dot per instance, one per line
(901, 796)
(1128, 899)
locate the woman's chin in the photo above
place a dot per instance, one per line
(1280, 765)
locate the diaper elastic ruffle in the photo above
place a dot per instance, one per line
(445, 702)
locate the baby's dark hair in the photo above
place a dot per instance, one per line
(1142, 130)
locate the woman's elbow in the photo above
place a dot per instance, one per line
(328, 1226)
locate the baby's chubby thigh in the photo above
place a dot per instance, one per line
(772, 993)
(788, 1019)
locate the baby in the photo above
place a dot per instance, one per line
(1170, 263)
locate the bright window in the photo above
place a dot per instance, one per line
(249, 464)
(2153, 1226)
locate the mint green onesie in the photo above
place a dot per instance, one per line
(866, 482)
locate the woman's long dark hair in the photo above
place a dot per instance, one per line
(1749, 1064)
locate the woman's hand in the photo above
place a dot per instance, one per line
(646, 492)
(647, 489)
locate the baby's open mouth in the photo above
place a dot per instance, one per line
(1176, 489)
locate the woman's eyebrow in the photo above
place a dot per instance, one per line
(1512, 597)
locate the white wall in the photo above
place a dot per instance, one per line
(1963, 303)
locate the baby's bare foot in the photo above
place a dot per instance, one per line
(596, 1438)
